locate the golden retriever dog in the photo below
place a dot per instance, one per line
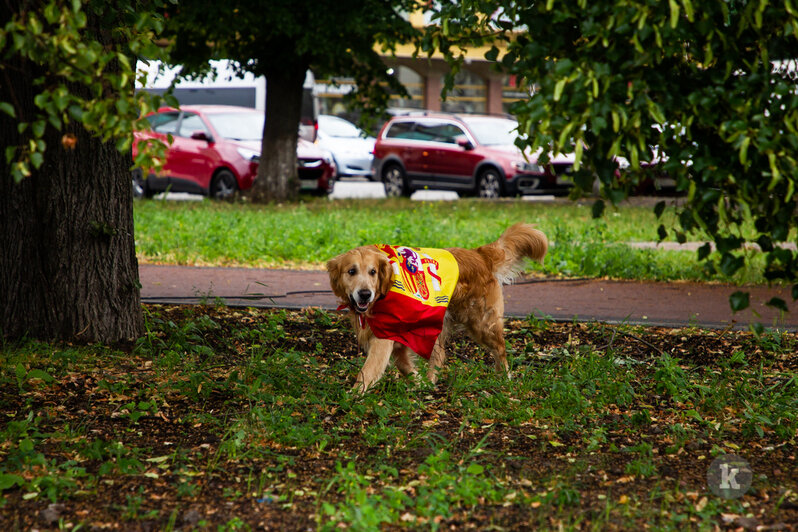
(363, 276)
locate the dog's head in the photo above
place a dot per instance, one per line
(360, 277)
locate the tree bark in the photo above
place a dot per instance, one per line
(68, 268)
(277, 173)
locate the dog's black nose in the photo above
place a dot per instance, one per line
(364, 295)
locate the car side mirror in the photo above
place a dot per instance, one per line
(464, 143)
(201, 135)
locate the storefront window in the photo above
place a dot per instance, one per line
(414, 84)
(513, 91)
(330, 95)
(467, 96)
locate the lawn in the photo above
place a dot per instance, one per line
(308, 234)
(232, 419)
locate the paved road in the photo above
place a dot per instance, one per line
(360, 188)
(667, 304)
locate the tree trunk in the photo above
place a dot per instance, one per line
(68, 268)
(277, 173)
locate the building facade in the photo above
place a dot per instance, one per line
(479, 87)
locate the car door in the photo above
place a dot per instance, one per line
(406, 142)
(163, 125)
(426, 142)
(448, 162)
(193, 159)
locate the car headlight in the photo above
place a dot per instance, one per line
(248, 154)
(527, 167)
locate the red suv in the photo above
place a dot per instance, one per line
(470, 154)
(215, 151)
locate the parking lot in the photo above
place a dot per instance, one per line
(360, 188)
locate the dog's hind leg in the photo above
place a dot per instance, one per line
(379, 354)
(404, 359)
(490, 335)
(438, 356)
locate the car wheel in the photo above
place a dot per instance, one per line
(394, 181)
(140, 188)
(489, 184)
(223, 185)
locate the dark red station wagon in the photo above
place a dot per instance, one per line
(469, 154)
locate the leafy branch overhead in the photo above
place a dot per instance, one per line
(708, 95)
(54, 41)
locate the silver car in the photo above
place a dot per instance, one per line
(351, 148)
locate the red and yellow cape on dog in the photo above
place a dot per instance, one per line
(412, 311)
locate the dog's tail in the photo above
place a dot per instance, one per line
(518, 241)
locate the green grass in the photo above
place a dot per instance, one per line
(248, 412)
(309, 233)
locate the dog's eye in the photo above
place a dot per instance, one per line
(373, 271)
(352, 271)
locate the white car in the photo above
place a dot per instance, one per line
(351, 148)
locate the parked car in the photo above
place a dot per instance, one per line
(215, 151)
(351, 148)
(470, 154)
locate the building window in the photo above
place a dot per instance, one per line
(330, 94)
(513, 92)
(468, 94)
(413, 84)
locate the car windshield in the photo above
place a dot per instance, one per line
(338, 128)
(238, 125)
(492, 131)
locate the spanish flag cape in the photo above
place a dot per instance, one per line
(412, 311)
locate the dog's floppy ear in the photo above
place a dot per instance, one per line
(386, 275)
(334, 270)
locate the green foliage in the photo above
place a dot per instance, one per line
(707, 93)
(670, 378)
(593, 251)
(361, 511)
(24, 456)
(643, 464)
(83, 76)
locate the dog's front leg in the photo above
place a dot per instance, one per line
(377, 358)
(438, 356)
